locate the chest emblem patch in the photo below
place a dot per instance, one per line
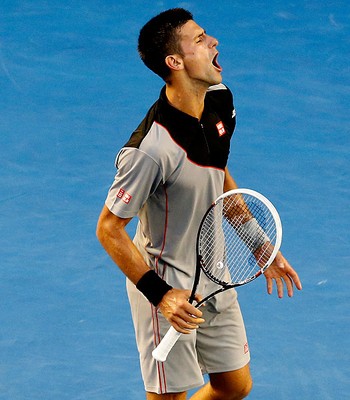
(221, 129)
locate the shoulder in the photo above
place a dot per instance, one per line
(144, 127)
(220, 99)
(220, 93)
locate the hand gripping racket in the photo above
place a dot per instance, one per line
(238, 239)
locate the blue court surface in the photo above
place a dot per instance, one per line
(72, 90)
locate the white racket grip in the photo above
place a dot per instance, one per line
(160, 353)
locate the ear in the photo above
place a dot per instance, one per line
(174, 62)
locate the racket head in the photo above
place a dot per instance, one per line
(232, 245)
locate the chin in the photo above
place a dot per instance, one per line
(217, 80)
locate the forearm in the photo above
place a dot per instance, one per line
(248, 228)
(125, 255)
(229, 182)
(117, 243)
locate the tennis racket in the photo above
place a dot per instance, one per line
(238, 239)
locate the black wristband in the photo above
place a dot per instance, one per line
(153, 287)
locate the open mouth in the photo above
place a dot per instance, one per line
(215, 62)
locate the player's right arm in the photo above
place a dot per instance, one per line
(174, 303)
(117, 243)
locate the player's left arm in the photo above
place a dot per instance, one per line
(229, 182)
(280, 270)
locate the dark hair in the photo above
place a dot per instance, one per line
(159, 38)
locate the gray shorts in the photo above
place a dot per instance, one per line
(219, 345)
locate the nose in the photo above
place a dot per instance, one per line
(213, 42)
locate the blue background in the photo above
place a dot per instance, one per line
(72, 90)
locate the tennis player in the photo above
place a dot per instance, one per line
(168, 173)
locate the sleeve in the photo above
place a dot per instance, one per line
(228, 109)
(222, 98)
(137, 178)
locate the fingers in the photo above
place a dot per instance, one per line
(289, 284)
(198, 298)
(279, 285)
(187, 317)
(186, 323)
(290, 278)
(284, 281)
(269, 283)
(293, 276)
(283, 275)
(179, 312)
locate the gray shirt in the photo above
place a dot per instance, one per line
(169, 172)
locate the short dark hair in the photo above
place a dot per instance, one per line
(159, 38)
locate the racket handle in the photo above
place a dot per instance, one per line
(160, 353)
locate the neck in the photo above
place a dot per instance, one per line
(187, 99)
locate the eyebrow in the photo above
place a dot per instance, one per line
(203, 32)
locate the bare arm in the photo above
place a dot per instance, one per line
(280, 270)
(117, 243)
(229, 182)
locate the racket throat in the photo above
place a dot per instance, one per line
(203, 301)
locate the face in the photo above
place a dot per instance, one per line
(200, 54)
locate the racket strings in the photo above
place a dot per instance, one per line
(230, 249)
